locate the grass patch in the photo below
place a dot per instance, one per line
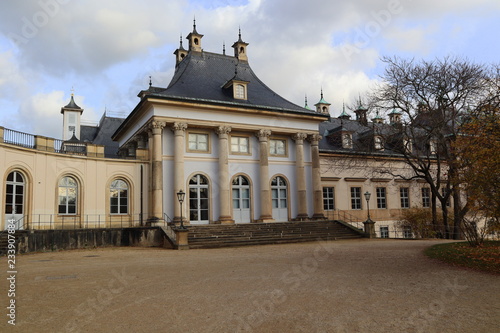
(483, 258)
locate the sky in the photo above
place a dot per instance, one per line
(104, 51)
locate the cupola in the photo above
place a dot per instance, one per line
(322, 106)
(194, 39)
(180, 53)
(344, 115)
(71, 119)
(361, 112)
(378, 119)
(240, 48)
(394, 116)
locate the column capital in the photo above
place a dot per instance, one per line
(314, 138)
(155, 124)
(299, 137)
(223, 130)
(263, 134)
(179, 127)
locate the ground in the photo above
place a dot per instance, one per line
(337, 286)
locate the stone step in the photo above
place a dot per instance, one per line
(267, 233)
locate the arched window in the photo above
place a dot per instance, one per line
(198, 200)
(118, 197)
(68, 196)
(279, 198)
(14, 194)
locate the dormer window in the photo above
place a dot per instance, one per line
(347, 141)
(240, 91)
(379, 143)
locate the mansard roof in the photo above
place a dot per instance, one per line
(201, 77)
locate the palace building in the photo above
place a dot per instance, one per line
(239, 151)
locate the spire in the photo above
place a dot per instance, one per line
(224, 48)
(194, 25)
(344, 115)
(240, 48)
(306, 106)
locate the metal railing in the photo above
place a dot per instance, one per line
(348, 218)
(19, 138)
(88, 221)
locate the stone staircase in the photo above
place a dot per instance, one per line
(211, 236)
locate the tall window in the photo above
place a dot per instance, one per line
(328, 198)
(426, 197)
(355, 197)
(118, 198)
(381, 197)
(404, 194)
(68, 195)
(198, 141)
(198, 199)
(240, 144)
(277, 147)
(14, 194)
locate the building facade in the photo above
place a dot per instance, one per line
(239, 151)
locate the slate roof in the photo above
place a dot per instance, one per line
(362, 137)
(101, 135)
(201, 76)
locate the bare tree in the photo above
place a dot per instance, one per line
(432, 99)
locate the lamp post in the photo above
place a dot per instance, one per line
(180, 196)
(369, 224)
(367, 197)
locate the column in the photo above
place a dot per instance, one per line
(316, 176)
(179, 130)
(224, 186)
(265, 187)
(156, 128)
(301, 176)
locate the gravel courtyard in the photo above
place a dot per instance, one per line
(337, 286)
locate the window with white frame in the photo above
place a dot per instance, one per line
(328, 198)
(240, 91)
(355, 197)
(240, 144)
(118, 197)
(381, 197)
(68, 195)
(277, 147)
(404, 195)
(384, 231)
(426, 197)
(198, 142)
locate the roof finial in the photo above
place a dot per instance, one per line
(194, 25)
(180, 40)
(72, 91)
(223, 47)
(321, 92)
(150, 83)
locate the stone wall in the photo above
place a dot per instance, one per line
(53, 240)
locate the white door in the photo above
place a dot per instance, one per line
(279, 199)
(14, 199)
(198, 200)
(241, 200)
